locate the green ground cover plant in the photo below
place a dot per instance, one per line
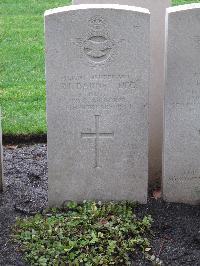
(22, 79)
(84, 234)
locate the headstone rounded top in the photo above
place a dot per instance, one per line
(95, 6)
(97, 76)
(183, 8)
(181, 149)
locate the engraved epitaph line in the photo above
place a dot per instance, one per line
(97, 135)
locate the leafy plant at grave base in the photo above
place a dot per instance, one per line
(83, 234)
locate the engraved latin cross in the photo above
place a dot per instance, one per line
(97, 135)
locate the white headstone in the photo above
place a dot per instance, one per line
(1, 156)
(157, 39)
(181, 181)
(97, 102)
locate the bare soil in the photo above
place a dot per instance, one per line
(176, 227)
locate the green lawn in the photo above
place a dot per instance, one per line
(22, 81)
(183, 2)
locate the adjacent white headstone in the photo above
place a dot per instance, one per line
(181, 181)
(1, 156)
(97, 72)
(157, 39)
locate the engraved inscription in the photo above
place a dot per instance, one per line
(97, 135)
(98, 48)
(196, 41)
(93, 92)
(183, 179)
(197, 78)
(191, 95)
(187, 176)
(97, 44)
(97, 22)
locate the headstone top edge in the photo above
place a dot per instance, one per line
(95, 6)
(180, 8)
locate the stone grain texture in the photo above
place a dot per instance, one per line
(157, 39)
(97, 72)
(181, 156)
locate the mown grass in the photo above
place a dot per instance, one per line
(183, 2)
(22, 80)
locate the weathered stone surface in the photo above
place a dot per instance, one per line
(157, 39)
(1, 156)
(97, 72)
(181, 181)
